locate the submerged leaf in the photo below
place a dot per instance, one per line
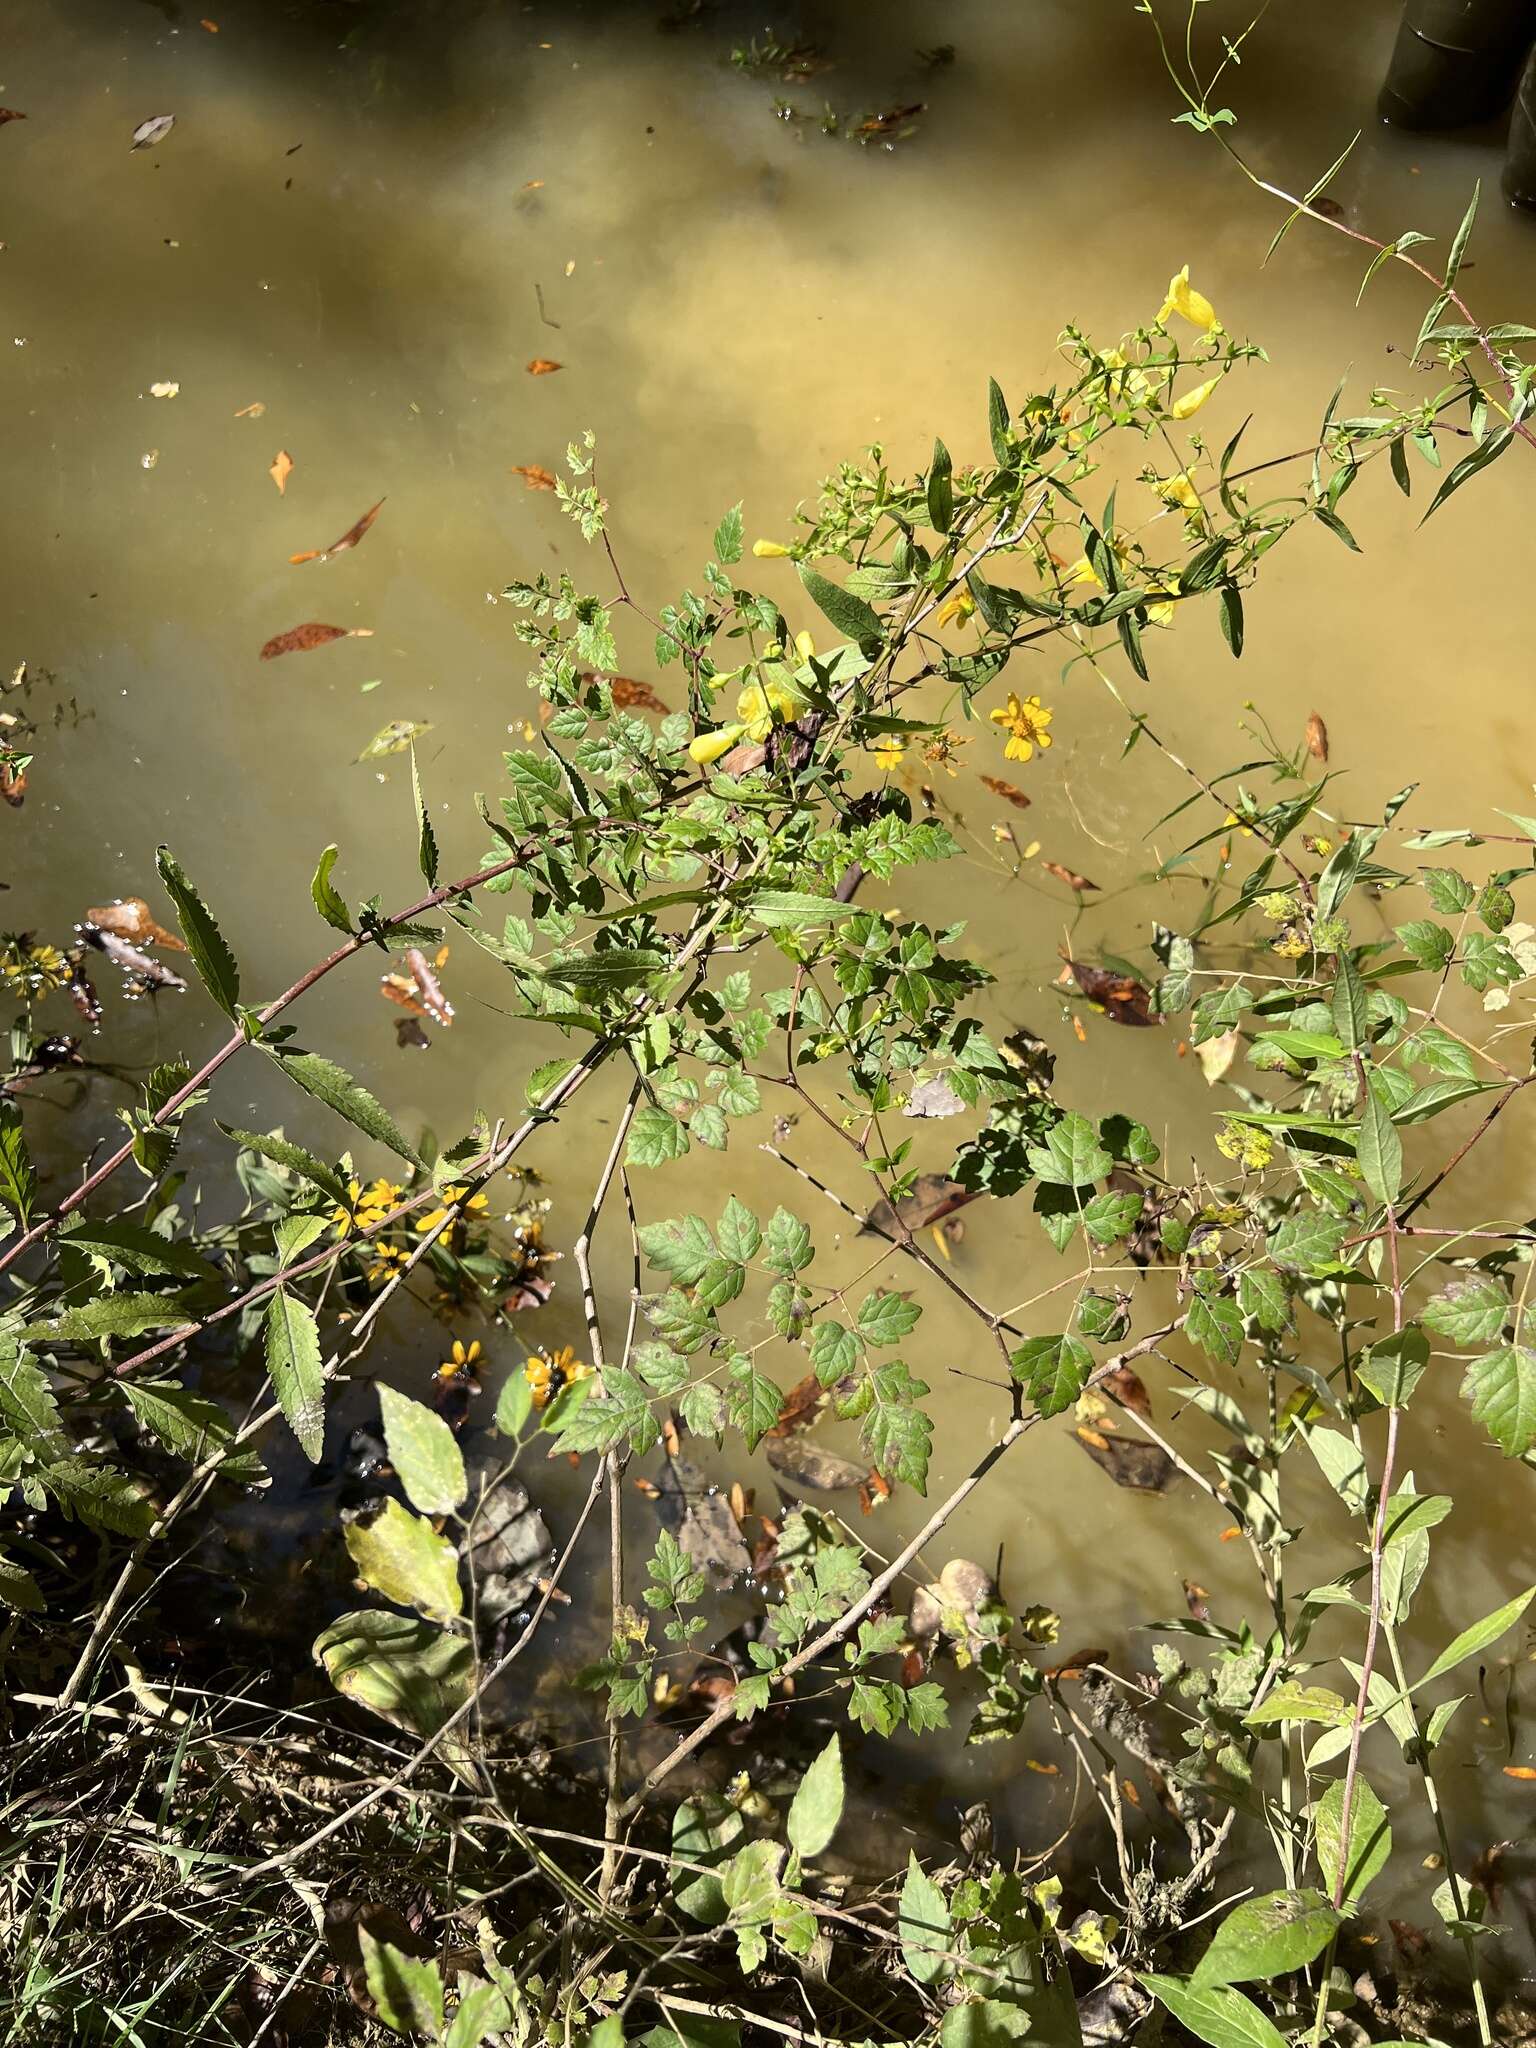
(300, 639)
(393, 738)
(541, 366)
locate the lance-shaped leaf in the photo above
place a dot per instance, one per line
(211, 956)
(293, 1366)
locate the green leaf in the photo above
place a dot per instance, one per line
(189, 1426)
(427, 840)
(407, 1990)
(1307, 1240)
(211, 957)
(18, 1176)
(1351, 1006)
(484, 2012)
(753, 1400)
(136, 1247)
(18, 1589)
(101, 1495)
(1380, 1150)
(1462, 236)
(293, 1366)
(789, 1243)
(1231, 600)
(998, 422)
(817, 1806)
(1071, 1155)
(1262, 1297)
(738, 1233)
(1394, 1365)
(1469, 465)
(118, 1315)
(402, 1557)
(887, 1318)
(1053, 1370)
(608, 972)
(796, 911)
(1267, 1937)
(990, 2023)
(655, 1137)
(329, 904)
(27, 1402)
(728, 537)
(285, 1153)
(1370, 1838)
(1110, 1216)
(703, 1829)
(409, 1672)
(923, 1923)
(335, 1087)
(425, 1453)
(1502, 1389)
(851, 615)
(514, 1404)
(1216, 2013)
(834, 1352)
(681, 1246)
(1470, 1311)
(1215, 1323)
(1294, 1702)
(1478, 1636)
(941, 490)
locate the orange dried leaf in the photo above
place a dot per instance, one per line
(534, 475)
(253, 411)
(1120, 996)
(300, 639)
(630, 695)
(130, 917)
(11, 114)
(672, 1443)
(737, 1501)
(1130, 1791)
(349, 539)
(1008, 791)
(1522, 1771)
(398, 988)
(1080, 1030)
(1230, 1535)
(280, 471)
(1317, 738)
(13, 784)
(1070, 876)
(1045, 1770)
(541, 366)
(648, 1487)
(211, 26)
(1129, 1390)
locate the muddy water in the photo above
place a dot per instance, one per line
(367, 222)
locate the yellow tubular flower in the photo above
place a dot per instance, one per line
(960, 606)
(709, 746)
(1178, 490)
(1191, 402)
(1026, 721)
(805, 646)
(1080, 571)
(768, 550)
(1161, 613)
(761, 705)
(1192, 305)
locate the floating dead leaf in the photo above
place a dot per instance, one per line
(914, 1668)
(163, 390)
(10, 114)
(1142, 1467)
(801, 1406)
(1070, 876)
(211, 26)
(154, 130)
(935, 1098)
(1045, 1770)
(394, 738)
(428, 987)
(647, 1488)
(280, 469)
(131, 918)
(1217, 1054)
(874, 1492)
(399, 988)
(800, 1463)
(1078, 1664)
(534, 475)
(1196, 1599)
(13, 784)
(253, 411)
(1121, 997)
(632, 695)
(349, 539)
(541, 366)
(743, 760)
(933, 1196)
(1008, 791)
(1129, 1789)
(301, 639)
(409, 1034)
(81, 991)
(1317, 738)
(740, 1502)
(1129, 1390)
(1521, 1771)
(891, 120)
(699, 1516)
(148, 972)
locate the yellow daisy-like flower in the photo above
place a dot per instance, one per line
(1179, 490)
(343, 1219)
(1183, 408)
(890, 754)
(959, 606)
(383, 1260)
(548, 1371)
(768, 550)
(1193, 306)
(460, 1360)
(475, 1206)
(1026, 719)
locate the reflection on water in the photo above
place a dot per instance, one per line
(363, 227)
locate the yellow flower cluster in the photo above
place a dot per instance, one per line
(548, 1371)
(475, 1206)
(366, 1207)
(759, 708)
(34, 970)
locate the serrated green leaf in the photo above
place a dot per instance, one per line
(407, 1990)
(794, 910)
(655, 1137)
(426, 838)
(335, 1087)
(285, 1153)
(1052, 1370)
(211, 957)
(850, 615)
(136, 1247)
(1294, 1702)
(186, 1424)
(1380, 1150)
(1502, 1389)
(18, 1176)
(1216, 1325)
(728, 536)
(424, 1452)
(887, 1318)
(293, 1366)
(326, 899)
(1071, 1155)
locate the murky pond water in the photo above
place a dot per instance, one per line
(367, 222)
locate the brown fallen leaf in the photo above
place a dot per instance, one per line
(10, 114)
(933, 1196)
(253, 411)
(1070, 876)
(800, 1463)
(1142, 1467)
(300, 639)
(280, 470)
(13, 784)
(1120, 996)
(534, 476)
(349, 539)
(211, 26)
(399, 988)
(875, 1490)
(131, 918)
(1523, 1771)
(424, 974)
(1127, 1388)
(739, 1501)
(801, 1406)
(541, 366)
(1317, 738)
(630, 695)
(149, 132)
(1008, 791)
